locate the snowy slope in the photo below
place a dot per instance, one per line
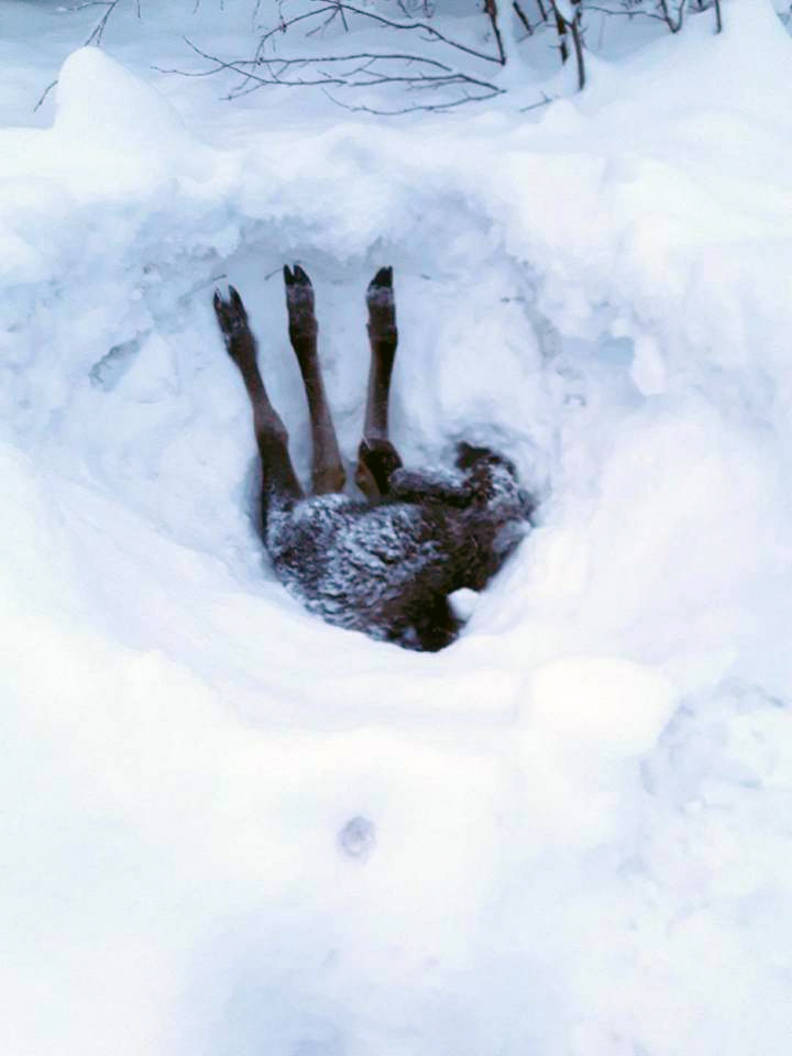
(230, 829)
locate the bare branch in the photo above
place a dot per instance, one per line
(359, 70)
(544, 101)
(627, 13)
(523, 18)
(718, 18)
(336, 6)
(561, 29)
(436, 107)
(44, 95)
(491, 11)
(94, 38)
(101, 25)
(572, 27)
(277, 60)
(674, 24)
(577, 41)
(233, 67)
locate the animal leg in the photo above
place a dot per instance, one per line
(327, 470)
(377, 457)
(278, 476)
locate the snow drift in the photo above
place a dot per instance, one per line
(574, 818)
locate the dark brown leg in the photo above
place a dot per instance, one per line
(278, 476)
(327, 471)
(377, 457)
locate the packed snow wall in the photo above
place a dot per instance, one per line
(567, 824)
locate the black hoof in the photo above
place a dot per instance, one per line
(298, 277)
(231, 315)
(384, 277)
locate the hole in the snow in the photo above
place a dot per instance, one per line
(357, 838)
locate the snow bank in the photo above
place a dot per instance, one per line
(574, 817)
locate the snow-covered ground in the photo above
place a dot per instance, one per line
(232, 830)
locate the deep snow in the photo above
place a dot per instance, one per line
(573, 824)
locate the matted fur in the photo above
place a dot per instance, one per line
(387, 568)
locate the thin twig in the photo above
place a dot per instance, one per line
(94, 37)
(396, 56)
(544, 101)
(436, 107)
(235, 64)
(523, 18)
(362, 75)
(636, 13)
(44, 95)
(323, 25)
(491, 11)
(341, 5)
(101, 25)
(674, 26)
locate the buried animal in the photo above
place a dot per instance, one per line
(387, 565)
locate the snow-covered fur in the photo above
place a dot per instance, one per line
(387, 568)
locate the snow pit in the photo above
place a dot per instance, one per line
(231, 829)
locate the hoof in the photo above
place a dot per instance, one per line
(298, 277)
(382, 306)
(231, 315)
(300, 303)
(383, 278)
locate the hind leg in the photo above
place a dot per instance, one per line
(377, 457)
(327, 471)
(278, 476)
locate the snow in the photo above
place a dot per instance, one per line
(231, 829)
